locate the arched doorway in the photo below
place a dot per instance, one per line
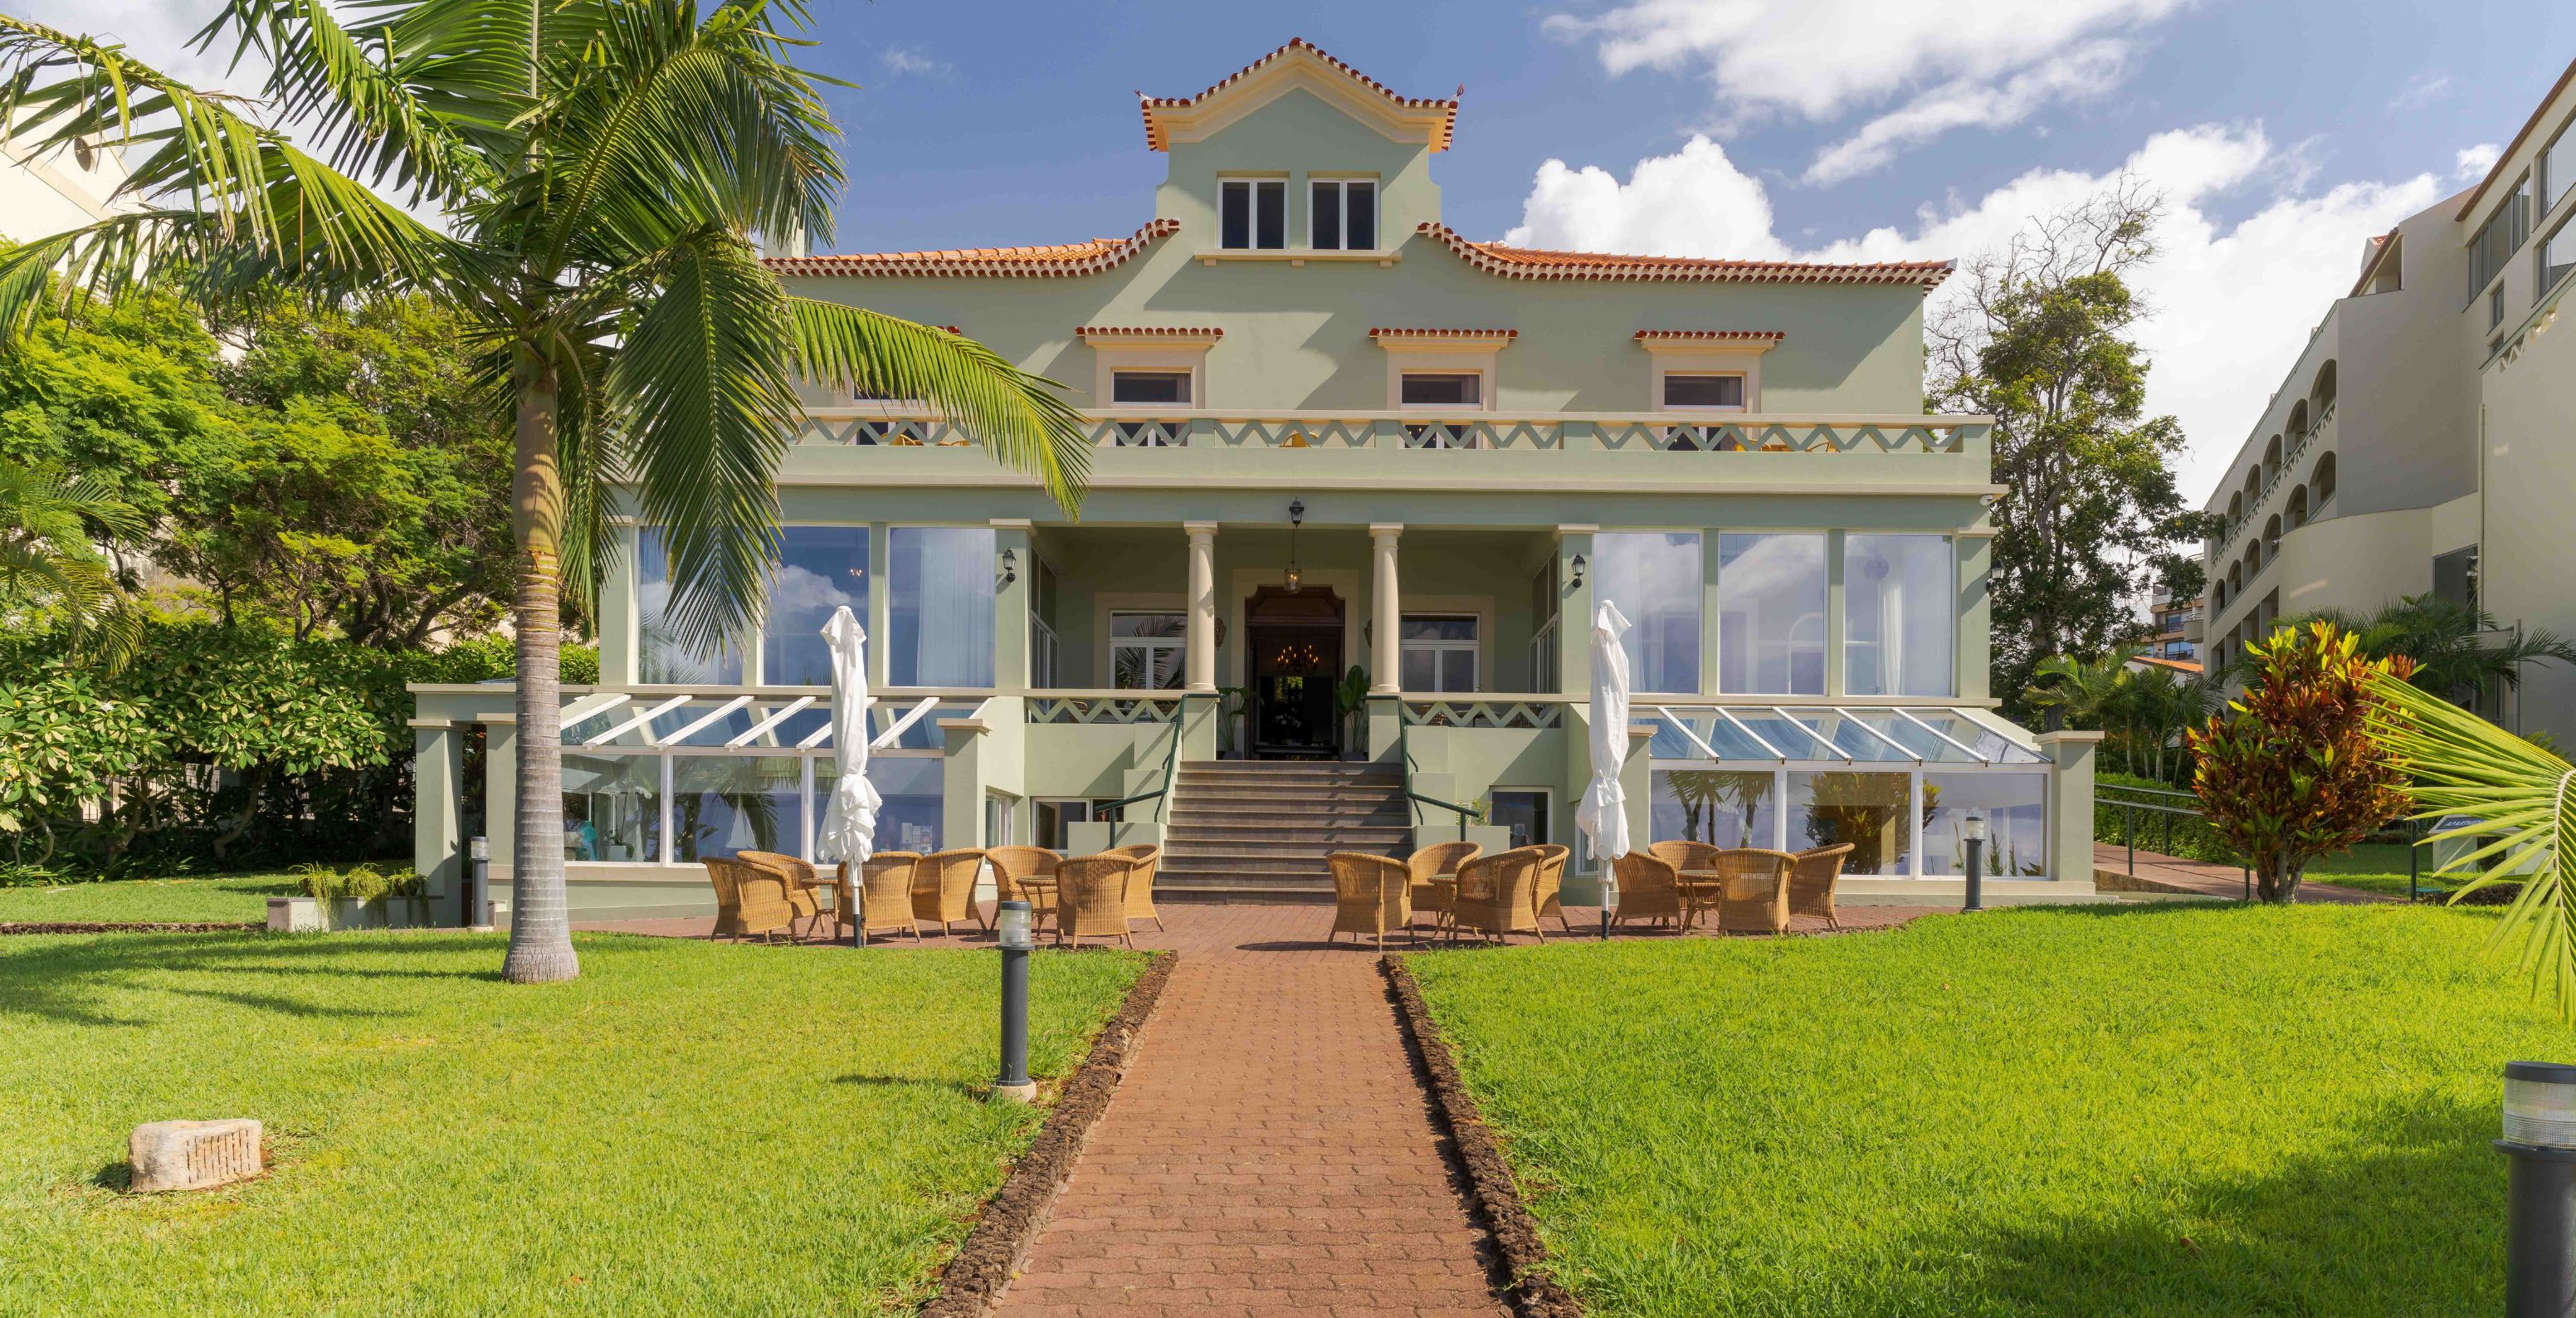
(1293, 658)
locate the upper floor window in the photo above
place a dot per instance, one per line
(1437, 653)
(940, 607)
(662, 655)
(2558, 166)
(1442, 389)
(1343, 216)
(1654, 578)
(1704, 390)
(1771, 614)
(1900, 597)
(1148, 651)
(820, 569)
(2500, 237)
(2558, 256)
(1252, 213)
(1150, 387)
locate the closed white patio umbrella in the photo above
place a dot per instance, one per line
(1603, 815)
(848, 831)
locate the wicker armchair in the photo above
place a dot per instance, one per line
(885, 894)
(1012, 864)
(1371, 894)
(1812, 880)
(1140, 885)
(1437, 859)
(943, 887)
(1753, 891)
(1498, 894)
(804, 886)
(1683, 855)
(750, 899)
(1092, 893)
(1649, 889)
(1551, 881)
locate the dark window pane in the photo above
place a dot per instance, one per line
(1326, 210)
(1234, 224)
(1360, 232)
(1149, 387)
(1270, 215)
(1424, 390)
(1439, 629)
(1703, 391)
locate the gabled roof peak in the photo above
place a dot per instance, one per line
(1434, 120)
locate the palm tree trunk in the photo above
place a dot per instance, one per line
(540, 936)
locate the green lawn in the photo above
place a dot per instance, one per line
(688, 1128)
(222, 897)
(2155, 1110)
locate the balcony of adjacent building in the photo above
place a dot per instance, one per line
(2291, 478)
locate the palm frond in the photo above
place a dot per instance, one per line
(1018, 416)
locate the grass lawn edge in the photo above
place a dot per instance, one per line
(1493, 1197)
(1008, 1223)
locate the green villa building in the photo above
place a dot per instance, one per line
(1334, 436)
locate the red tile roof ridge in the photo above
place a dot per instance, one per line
(1149, 104)
(1164, 331)
(1540, 263)
(1404, 332)
(1082, 258)
(1766, 336)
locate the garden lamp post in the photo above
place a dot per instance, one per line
(2540, 1194)
(1014, 1082)
(1973, 829)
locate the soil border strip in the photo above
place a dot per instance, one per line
(992, 1252)
(1495, 1200)
(8, 927)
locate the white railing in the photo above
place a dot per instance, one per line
(1419, 429)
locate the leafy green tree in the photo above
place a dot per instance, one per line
(2291, 771)
(52, 571)
(62, 744)
(604, 167)
(118, 392)
(2091, 513)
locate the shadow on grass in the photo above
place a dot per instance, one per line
(57, 981)
(923, 1082)
(2405, 1217)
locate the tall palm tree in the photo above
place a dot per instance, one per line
(603, 167)
(2460, 653)
(51, 568)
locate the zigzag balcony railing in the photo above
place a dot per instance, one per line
(1479, 431)
(1102, 709)
(1483, 714)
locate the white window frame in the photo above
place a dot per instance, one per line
(1342, 188)
(1472, 647)
(1701, 357)
(1252, 220)
(1177, 645)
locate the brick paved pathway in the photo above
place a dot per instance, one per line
(1270, 1151)
(2178, 875)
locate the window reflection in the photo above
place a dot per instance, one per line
(1654, 579)
(1771, 614)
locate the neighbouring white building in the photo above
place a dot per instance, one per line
(2420, 444)
(46, 192)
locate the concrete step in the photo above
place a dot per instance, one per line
(1284, 832)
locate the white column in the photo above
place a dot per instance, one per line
(1200, 665)
(1385, 611)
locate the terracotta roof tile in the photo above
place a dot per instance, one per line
(1082, 258)
(1533, 263)
(1150, 332)
(1155, 139)
(1383, 332)
(1709, 336)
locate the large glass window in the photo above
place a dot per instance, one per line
(2500, 237)
(1872, 811)
(1523, 813)
(1722, 807)
(820, 568)
(662, 658)
(2558, 167)
(1771, 614)
(721, 804)
(913, 790)
(1148, 651)
(941, 614)
(612, 807)
(1654, 578)
(1252, 213)
(2015, 806)
(2558, 255)
(1437, 654)
(1898, 606)
(1343, 215)
(1441, 389)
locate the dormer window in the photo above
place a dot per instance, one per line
(1343, 215)
(1252, 214)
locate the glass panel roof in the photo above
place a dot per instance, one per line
(1831, 735)
(788, 733)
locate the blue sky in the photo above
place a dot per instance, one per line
(2282, 133)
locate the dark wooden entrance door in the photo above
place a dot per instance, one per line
(1295, 654)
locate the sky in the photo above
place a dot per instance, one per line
(2281, 133)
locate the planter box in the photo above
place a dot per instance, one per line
(299, 915)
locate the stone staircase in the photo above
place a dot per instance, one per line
(1258, 830)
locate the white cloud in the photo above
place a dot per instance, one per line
(1992, 63)
(2233, 303)
(904, 61)
(2471, 163)
(2421, 90)
(2087, 71)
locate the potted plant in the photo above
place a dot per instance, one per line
(360, 897)
(1349, 699)
(1231, 704)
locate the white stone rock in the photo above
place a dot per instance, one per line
(192, 1155)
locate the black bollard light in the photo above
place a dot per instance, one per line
(478, 893)
(1014, 1081)
(2540, 1193)
(1973, 828)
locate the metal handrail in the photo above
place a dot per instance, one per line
(1171, 761)
(1404, 753)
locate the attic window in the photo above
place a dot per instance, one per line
(1344, 215)
(1252, 214)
